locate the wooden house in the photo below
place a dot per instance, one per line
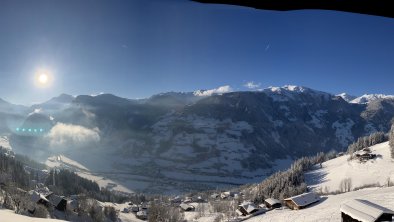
(301, 201)
(272, 203)
(365, 211)
(186, 207)
(247, 208)
(58, 202)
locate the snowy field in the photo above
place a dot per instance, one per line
(370, 172)
(10, 216)
(328, 208)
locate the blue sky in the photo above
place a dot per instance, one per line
(137, 48)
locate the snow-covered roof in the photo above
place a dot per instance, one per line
(272, 201)
(186, 206)
(364, 210)
(304, 199)
(35, 197)
(248, 206)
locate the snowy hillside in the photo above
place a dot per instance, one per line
(373, 171)
(328, 209)
(10, 216)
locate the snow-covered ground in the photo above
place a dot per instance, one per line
(61, 161)
(328, 209)
(373, 171)
(10, 216)
(331, 174)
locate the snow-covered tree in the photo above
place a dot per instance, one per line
(391, 139)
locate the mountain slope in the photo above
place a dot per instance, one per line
(180, 141)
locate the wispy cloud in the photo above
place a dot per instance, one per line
(267, 47)
(219, 90)
(71, 136)
(96, 94)
(252, 85)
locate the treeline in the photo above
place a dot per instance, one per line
(367, 141)
(69, 183)
(12, 172)
(288, 183)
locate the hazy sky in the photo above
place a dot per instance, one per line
(137, 48)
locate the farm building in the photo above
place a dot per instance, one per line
(272, 203)
(38, 198)
(364, 154)
(228, 194)
(365, 211)
(58, 202)
(301, 201)
(186, 207)
(247, 208)
(143, 215)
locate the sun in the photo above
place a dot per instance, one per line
(43, 78)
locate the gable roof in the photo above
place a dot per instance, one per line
(272, 201)
(35, 197)
(304, 199)
(55, 199)
(249, 207)
(363, 210)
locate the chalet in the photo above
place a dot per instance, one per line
(186, 207)
(215, 196)
(38, 198)
(247, 208)
(198, 199)
(301, 201)
(58, 202)
(134, 208)
(364, 154)
(143, 215)
(176, 199)
(272, 203)
(228, 194)
(365, 211)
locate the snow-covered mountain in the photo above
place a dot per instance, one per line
(182, 141)
(346, 97)
(55, 104)
(367, 98)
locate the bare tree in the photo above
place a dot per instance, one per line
(345, 185)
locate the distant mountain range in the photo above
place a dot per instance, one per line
(188, 141)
